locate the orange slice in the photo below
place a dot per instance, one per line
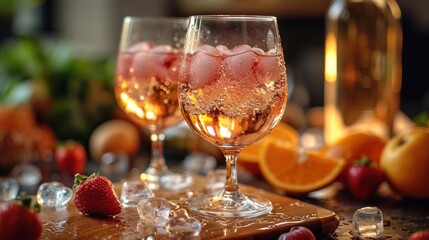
(282, 132)
(298, 172)
(250, 156)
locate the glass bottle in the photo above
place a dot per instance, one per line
(363, 67)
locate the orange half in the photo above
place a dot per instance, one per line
(249, 157)
(296, 171)
(282, 132)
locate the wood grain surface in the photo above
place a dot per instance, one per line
(287, 212)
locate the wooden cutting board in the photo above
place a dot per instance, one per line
(287, 212)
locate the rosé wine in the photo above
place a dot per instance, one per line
(232, 97)
(146, 84)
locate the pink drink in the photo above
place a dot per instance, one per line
(146, 84)
(233, 97)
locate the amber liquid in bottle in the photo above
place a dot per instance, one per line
(362, 67)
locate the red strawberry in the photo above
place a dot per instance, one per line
(419, 235)
(94, 195)
(71, 158)
(298, 233)
(19, 221)
(363, 179)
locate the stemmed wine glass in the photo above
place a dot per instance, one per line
(146, 86)
(232, 92)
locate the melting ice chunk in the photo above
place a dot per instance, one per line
(154, 211)
(181, 224)
(133, 192)
(198, 162)
(8, 189)
(216, 180)
(54, 194)
(368, 222)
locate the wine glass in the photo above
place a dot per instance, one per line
(232, 92)
(146, 86)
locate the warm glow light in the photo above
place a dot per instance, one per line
(152, 111)
(331, 58)
(225, 132)
(150, 115)
(131, 106)
(226, 127)
(211, 131)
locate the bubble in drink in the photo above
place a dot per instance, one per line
(230, 104)
(368, 222)
(54, 194)
(181, 224)
(133, 192)
(154, 211)
(8, 189)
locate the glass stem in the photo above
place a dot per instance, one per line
(231, 190)
(157, 162)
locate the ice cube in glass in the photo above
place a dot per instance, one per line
(368, 222)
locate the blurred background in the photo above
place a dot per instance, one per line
(57, 60)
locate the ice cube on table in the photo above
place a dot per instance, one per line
(368, 222)
(28, 177)
(154, 211)
(198, 162)
(216, 180)
(8, 189)
(133, 192)
(54, 194)
(181, 224)
(114, 166)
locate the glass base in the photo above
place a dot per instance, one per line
(219, 206)
(166, 180)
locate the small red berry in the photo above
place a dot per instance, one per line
(363, 179)
(71, 158)
(298, 233)
(419, 235)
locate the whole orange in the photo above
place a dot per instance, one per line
(405, 161)
(354, 146)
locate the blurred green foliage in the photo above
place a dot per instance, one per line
(72, 95)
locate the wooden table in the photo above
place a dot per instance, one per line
(287, 212)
